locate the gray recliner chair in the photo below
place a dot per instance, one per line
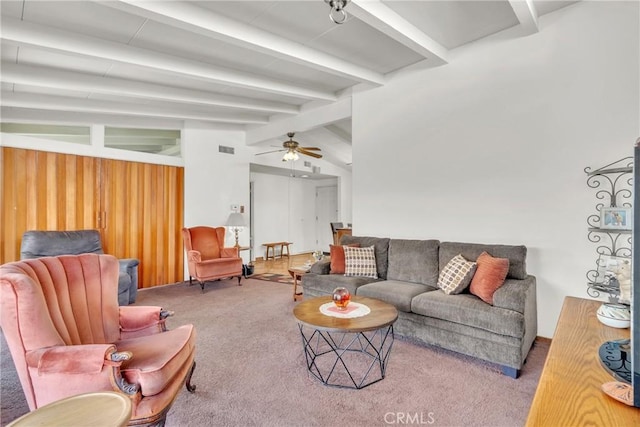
(37, 244)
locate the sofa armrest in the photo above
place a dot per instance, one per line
(230, 253)
(126, 264)
(321, 267)
(63, 371)
(141, 320)
(70, 359)
(513, 294)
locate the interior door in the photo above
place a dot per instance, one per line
(141, 217)
(326, 212)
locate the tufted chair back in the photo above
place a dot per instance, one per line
(209, 241)
(76, 302)
(68, 335)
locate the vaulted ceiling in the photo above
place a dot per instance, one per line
(265, 67)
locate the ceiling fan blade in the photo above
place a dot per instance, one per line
(310, 148)
(268, 152)
(309, 153)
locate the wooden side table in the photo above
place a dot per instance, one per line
(297, 273)
(100, 409)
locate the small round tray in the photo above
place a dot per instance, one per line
(354, 309)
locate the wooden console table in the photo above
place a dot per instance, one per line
(271, 247)
(569, 392)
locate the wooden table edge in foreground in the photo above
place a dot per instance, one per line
(569, 391)
(100, 409)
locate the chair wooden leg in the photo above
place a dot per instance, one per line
(190, 280)
(202, 285)
(239, 278)
(191, 387)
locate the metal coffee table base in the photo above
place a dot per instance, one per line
(347, 359)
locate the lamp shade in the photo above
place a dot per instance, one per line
(235, 220)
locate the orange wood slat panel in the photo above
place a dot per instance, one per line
(140, 206)
(139, 221)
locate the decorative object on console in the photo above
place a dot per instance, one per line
(614, 315)
(318, 255)
(360, 262)
(456, 275)
(616, 218)
(610, 228)
(236, 222)
(490, 275)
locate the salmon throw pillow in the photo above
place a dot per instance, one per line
(336, 252)
(490, 275)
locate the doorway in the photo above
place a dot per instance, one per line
(326, 212)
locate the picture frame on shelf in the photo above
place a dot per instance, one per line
(614, 272)
(614, 218)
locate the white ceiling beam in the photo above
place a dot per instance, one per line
(338, 132)
(16, 31)
(306, 120)
(388, 22)
(193, 18)
(526, 13)
(60, 103)
(74, 118)
(59, 79)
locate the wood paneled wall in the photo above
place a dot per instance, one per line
(138, 207)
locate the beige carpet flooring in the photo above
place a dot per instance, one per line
(251, 371)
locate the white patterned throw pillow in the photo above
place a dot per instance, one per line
(456, 275)
(360, 262)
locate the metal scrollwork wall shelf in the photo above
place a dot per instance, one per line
(613, 183)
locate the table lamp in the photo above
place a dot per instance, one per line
(236, 223)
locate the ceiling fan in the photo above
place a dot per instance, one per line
(292, 148)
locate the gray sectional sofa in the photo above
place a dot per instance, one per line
(408, 271)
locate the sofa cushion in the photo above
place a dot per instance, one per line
(336, 253)
(467, 309)
(360, 262)
(517, 255)
(381, 245)
(489, 276)
(413, 261)
(456, 275)
(156, 358)
(394, 292)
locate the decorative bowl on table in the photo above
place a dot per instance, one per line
(341, 297)
(614, 315)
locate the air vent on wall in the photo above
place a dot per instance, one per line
(228, 150)
(307, 164)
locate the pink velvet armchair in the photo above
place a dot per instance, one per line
(67, 336)
(207, 257)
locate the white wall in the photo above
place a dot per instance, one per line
(491, 147)
(284, 210)
(214, 181)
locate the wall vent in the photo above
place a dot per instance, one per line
(315, 169)
(307, 164)
(228, 150)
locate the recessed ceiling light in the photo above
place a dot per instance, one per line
(304, 176)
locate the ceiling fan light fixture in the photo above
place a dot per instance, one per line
(290, 155)
(337, 13)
